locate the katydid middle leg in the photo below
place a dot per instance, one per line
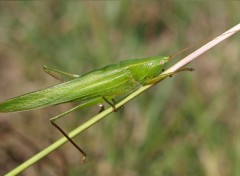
(112, 104)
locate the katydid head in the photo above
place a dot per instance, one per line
(146, 68)
(156, 66)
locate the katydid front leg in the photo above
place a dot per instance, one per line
(160, 77)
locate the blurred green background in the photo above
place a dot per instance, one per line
(186, 125)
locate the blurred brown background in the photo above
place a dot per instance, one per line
(186, 125)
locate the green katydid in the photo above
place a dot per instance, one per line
(101, 85)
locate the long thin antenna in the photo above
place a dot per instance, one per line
(203, 49)
(228, 33)
(179, 52)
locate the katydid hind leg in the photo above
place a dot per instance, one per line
(70, 140)
(53, 119)
(59, 75)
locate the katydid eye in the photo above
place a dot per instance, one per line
(162, 62)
